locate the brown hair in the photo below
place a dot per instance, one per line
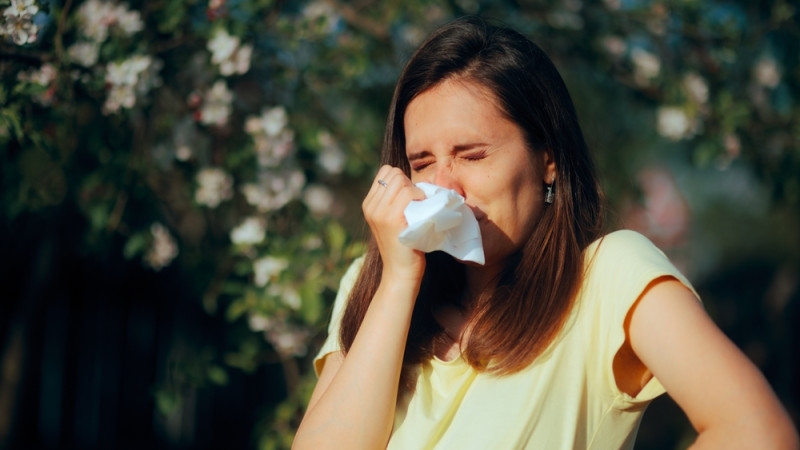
(535, 292)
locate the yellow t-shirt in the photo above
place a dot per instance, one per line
(566, 399)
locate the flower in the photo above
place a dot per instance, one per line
(288, 295)
(163, 248)
(97, 17)
(274, 189)
(696, 87)
(216, 105)
(126, 79)
(84, 53)
(766, 72)
(318, 199)
(287, 339)
(271, 122)
(44, 76)
(614, 45)
(18, 22)
(673, 123)
(251, 231)
(331, 158)
(274, 142)
(222, 46)
(21, 8)
(228, 54)
(267, 268)
(323, 15)
(646, 65)
(214, 186)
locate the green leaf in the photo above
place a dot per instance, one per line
(218, 375)
(135, 246)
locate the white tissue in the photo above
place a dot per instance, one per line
(443, 222)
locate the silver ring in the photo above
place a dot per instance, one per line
(382, 183)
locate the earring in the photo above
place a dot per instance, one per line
(548, 197)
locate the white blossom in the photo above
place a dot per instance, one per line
(564, 19)
(213, 186)
(614, 45)
(696, 87)
(766, 72)
(673, 123)
(127, 78)
(129, 22)
(222, 46)
(331, 157)
(84, 53)
(289, 340)
(271, 122)
(43, 76)
(96, 17)
(258, 322)
(322, 12)
(228, 54)
(21, 8)
(163, 248)
(646, 65)
(251, 231)
(318, 199)
(288, 295)
(18, 22)
(216, 105)
(274, 142)
(268, 268)
(271, 151)
(274, 189)
(239, 63)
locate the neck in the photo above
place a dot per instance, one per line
(479, 280)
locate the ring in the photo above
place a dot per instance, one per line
(382, 183)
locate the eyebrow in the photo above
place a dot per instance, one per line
(456, 148)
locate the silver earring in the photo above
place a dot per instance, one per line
(548, 197)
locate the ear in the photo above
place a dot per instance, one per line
(548, 167)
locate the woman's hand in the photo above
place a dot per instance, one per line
(353, 404)
(383, 210)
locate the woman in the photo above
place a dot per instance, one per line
(562, 338)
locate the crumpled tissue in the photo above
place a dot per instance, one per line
(444, 222)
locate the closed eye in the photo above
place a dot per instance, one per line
(474, 156)
(418, 166)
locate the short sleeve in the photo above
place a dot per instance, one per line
(331, 343)
(620, 268)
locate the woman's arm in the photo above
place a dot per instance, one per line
(726, 398)
(354, 401)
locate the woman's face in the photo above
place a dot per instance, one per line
(457, 138)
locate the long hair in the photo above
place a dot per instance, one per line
(535, 292)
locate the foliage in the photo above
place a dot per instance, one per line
(232, 138)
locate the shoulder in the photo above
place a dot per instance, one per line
(623, 263)
(625, 250)
(623, 241)
(350, 275)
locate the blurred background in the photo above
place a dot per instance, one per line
(181, 184)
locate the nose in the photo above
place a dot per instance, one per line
(446, 178)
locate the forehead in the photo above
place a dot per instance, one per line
(451, 104)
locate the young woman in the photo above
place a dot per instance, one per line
(563, 336)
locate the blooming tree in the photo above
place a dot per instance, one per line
(242, 132)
